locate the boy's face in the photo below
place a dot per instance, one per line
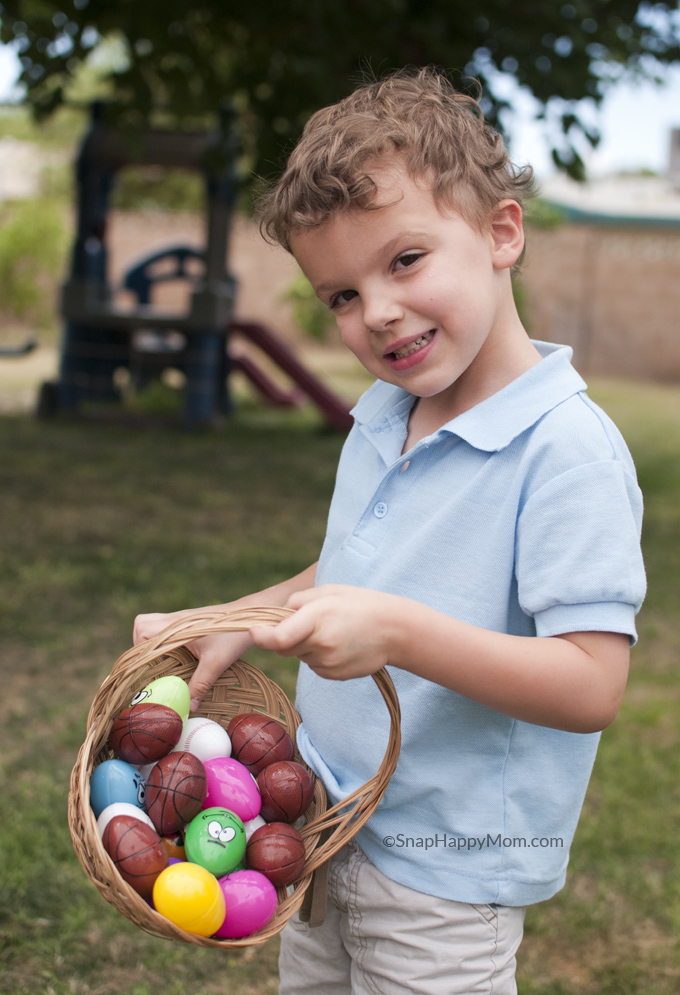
(421, 298)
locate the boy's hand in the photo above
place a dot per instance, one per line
(217, 652)
(147, 626)
(214, 653)
(339, 631)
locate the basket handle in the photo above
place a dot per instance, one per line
(346, 817)
(184, 630)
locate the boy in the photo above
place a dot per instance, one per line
(482, 542)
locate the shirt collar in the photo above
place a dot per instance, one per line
(493, 423)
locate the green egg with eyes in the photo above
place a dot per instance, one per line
(216, 839)
(170, 691)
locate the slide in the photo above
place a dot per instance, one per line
(335, 410)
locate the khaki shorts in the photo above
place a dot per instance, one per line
(381, 938)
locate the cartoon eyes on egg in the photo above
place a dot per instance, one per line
(223, 834)
(140, 696)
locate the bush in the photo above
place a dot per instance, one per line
(542, 214)
(309, 313)
(140, 188)
(33, 243)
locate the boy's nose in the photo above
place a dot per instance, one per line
(380, 311)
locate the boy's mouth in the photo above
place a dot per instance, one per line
(411, 347)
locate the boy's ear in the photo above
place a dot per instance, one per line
(507, 231)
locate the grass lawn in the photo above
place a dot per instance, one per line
(100, 522)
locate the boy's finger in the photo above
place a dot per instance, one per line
(300, 598)
(284, 637)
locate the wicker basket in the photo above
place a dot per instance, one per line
(241, 689)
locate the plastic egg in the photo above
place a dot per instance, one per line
(121, 808)
(171, 691)
(115, 781)
(145, 769)
(137, 852)
(250, 901)
(205, 739)
(252, 825)
(191, 897)
(231, 785)
(174, 845)
(216, 840)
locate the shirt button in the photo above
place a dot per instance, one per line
(406, 465)
(380, 509)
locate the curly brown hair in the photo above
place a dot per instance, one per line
(439, 132)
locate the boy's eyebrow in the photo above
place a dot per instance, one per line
(386, 249)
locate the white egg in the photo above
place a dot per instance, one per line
(204, 738)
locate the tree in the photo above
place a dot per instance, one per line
(281, 61)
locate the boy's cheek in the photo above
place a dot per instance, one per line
(354, 342)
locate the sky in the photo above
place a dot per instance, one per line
(635, 120)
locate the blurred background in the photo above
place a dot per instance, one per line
(173, 402)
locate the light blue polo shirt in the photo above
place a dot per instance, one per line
(521, 515)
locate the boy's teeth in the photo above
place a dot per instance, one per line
(413, 346)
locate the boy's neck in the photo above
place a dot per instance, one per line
(428, 414)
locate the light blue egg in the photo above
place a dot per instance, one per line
(115, 781)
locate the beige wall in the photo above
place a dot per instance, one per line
(613, 294)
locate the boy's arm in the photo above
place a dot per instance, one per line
(573, 682)
(216, 653)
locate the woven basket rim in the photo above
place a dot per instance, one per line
(327, 831)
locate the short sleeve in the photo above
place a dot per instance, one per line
(578, 560)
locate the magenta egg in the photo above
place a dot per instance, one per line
(231, 785)
(251, 902)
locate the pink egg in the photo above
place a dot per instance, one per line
(251, 902)
(231, 785)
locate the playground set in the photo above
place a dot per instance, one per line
(102, 337)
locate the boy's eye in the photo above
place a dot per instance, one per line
(344, 297)
(408, 259)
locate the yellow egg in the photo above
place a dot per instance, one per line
(190, 896)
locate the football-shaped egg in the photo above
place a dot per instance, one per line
(257, 741)
(144, 733)
(278, 852)
(175, 791)
(122, 808)
(287, 790)
(137, 852)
